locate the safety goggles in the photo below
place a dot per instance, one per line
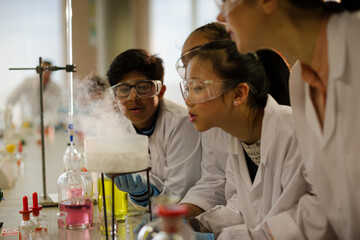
(226, 6)
(198, 91)
(184, 60)
(143, 89)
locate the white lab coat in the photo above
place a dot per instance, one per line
(29, 90)
(175, 149)
(215, 146)
(332, 156)
(280, 199)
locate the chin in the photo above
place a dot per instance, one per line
(201, 128)
(242, 48)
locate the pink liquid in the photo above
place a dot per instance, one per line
(80, 213)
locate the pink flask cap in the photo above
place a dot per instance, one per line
(35, 207)
(25, 212)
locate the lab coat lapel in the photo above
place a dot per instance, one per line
(337, 62)
(237, 150)
(267, 133)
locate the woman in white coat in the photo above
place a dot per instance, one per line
(174, 145)
(215, 141)
(272, 197)
(324, 88)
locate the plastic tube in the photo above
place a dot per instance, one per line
(70, 74)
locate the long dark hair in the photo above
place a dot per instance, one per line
(329, 6)
(265, 71)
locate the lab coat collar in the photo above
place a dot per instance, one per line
(267, 133)
(337, 60)
(237, 149)
(336, 31)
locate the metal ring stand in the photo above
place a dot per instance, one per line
(113, 198)
(40, 69)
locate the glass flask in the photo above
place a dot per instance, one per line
(72, 153)
(121, 198)
(75, 195)
(169, 225)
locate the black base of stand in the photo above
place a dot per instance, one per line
(48, 202)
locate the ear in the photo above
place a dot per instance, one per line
(269, 6)
(241, 93)
(162, 92)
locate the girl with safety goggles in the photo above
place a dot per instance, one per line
(229, 90)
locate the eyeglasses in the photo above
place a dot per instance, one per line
(184, 60)
(143, 89)
(199, 91)
(226, 6)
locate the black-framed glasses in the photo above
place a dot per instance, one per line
(143, 89)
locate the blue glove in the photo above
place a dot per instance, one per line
(136, 186)
(133, 184)
(204, 236)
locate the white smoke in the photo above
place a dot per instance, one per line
(95, 113)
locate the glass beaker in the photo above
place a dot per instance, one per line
(121, 198)
(111, 229)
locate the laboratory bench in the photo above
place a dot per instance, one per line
(31, 181)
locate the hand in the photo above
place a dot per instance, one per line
(204, 236)
(133, 184)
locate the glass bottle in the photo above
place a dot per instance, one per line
(19, 159)
(26, 226)
(10, 156)
(170, 225)
(121, 198)
(40, 221)
(75, 195)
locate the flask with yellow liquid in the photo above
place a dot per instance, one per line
(120, 198)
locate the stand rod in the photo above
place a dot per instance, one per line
(104, 205)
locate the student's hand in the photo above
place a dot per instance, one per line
(133, 184)
(136, 186)
(204, 236)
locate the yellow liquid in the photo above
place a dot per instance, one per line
(121, 198)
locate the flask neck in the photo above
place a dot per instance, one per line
(171, 224)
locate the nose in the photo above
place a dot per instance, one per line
(133, 94)
(188, 102)
(221, 17)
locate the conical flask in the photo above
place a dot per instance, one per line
(169, 226)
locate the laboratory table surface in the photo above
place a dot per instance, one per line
(31, 181)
